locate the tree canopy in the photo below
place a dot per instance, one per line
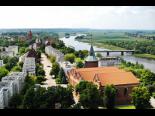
(69, 57)
(89, 95)
(109, 96)
(3, 72)
(141, 97)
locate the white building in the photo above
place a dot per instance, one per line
(9, 86)
(4, 95)
(18, 80)
(12, 48)
(51, 51)
(6, 91)
(19, 74)
(1, 63)
(29, 66)
(7, 53)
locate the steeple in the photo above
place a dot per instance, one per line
(91, 60)
(91, 52)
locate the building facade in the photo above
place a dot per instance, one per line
(4, 95)
(10, 85)
(102, 76)
(29, 66)
(14, 49)
(6, 91)
(49, 50)
(7, 53)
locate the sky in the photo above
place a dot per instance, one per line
(94, 17)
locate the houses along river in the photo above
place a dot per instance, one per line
(71, 42)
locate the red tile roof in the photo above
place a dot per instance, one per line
(117, 78)
(106, 75)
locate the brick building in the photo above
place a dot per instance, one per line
(102, 76)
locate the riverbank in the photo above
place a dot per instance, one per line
(147, 56)
(103, 45)
(112, 47)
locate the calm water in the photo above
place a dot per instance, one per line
(148, 64)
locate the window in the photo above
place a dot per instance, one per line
(125, 91)
(117, 92)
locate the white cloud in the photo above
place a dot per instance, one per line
(116, 17)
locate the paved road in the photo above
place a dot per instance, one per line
(46, 63)
(51, 82)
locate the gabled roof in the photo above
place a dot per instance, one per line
(106, 75)
(117, 78)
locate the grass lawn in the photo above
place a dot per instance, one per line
(149, 56)
(126, 107)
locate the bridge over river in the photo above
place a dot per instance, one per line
(122, 51)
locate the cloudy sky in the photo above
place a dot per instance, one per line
(99, 17)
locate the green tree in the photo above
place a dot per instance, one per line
(33, 98)
(62, 77)
(6, 59)
(64, 96)
(99, 55)
(22, 50)
(11, 63)
(40, 79)
(79, 63)
(40, 71)
(3, 72)
(28, 99)
(109, 96)
(38, 53)
(52, 59)
(81, 53)
(140, 97)
(55, 69)
(46, 99)
(16, 69)
(89, 95)
(69, 57)
(15, 101)
(29, 82)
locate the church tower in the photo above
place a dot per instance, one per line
(29, 35)
(91, 60)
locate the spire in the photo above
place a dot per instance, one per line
(91, 52)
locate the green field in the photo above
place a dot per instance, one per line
(103, 45)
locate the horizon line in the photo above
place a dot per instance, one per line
(74, 28)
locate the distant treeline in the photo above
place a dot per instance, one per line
(141, 35)
(139, 46)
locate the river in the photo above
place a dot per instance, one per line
(148, 64)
